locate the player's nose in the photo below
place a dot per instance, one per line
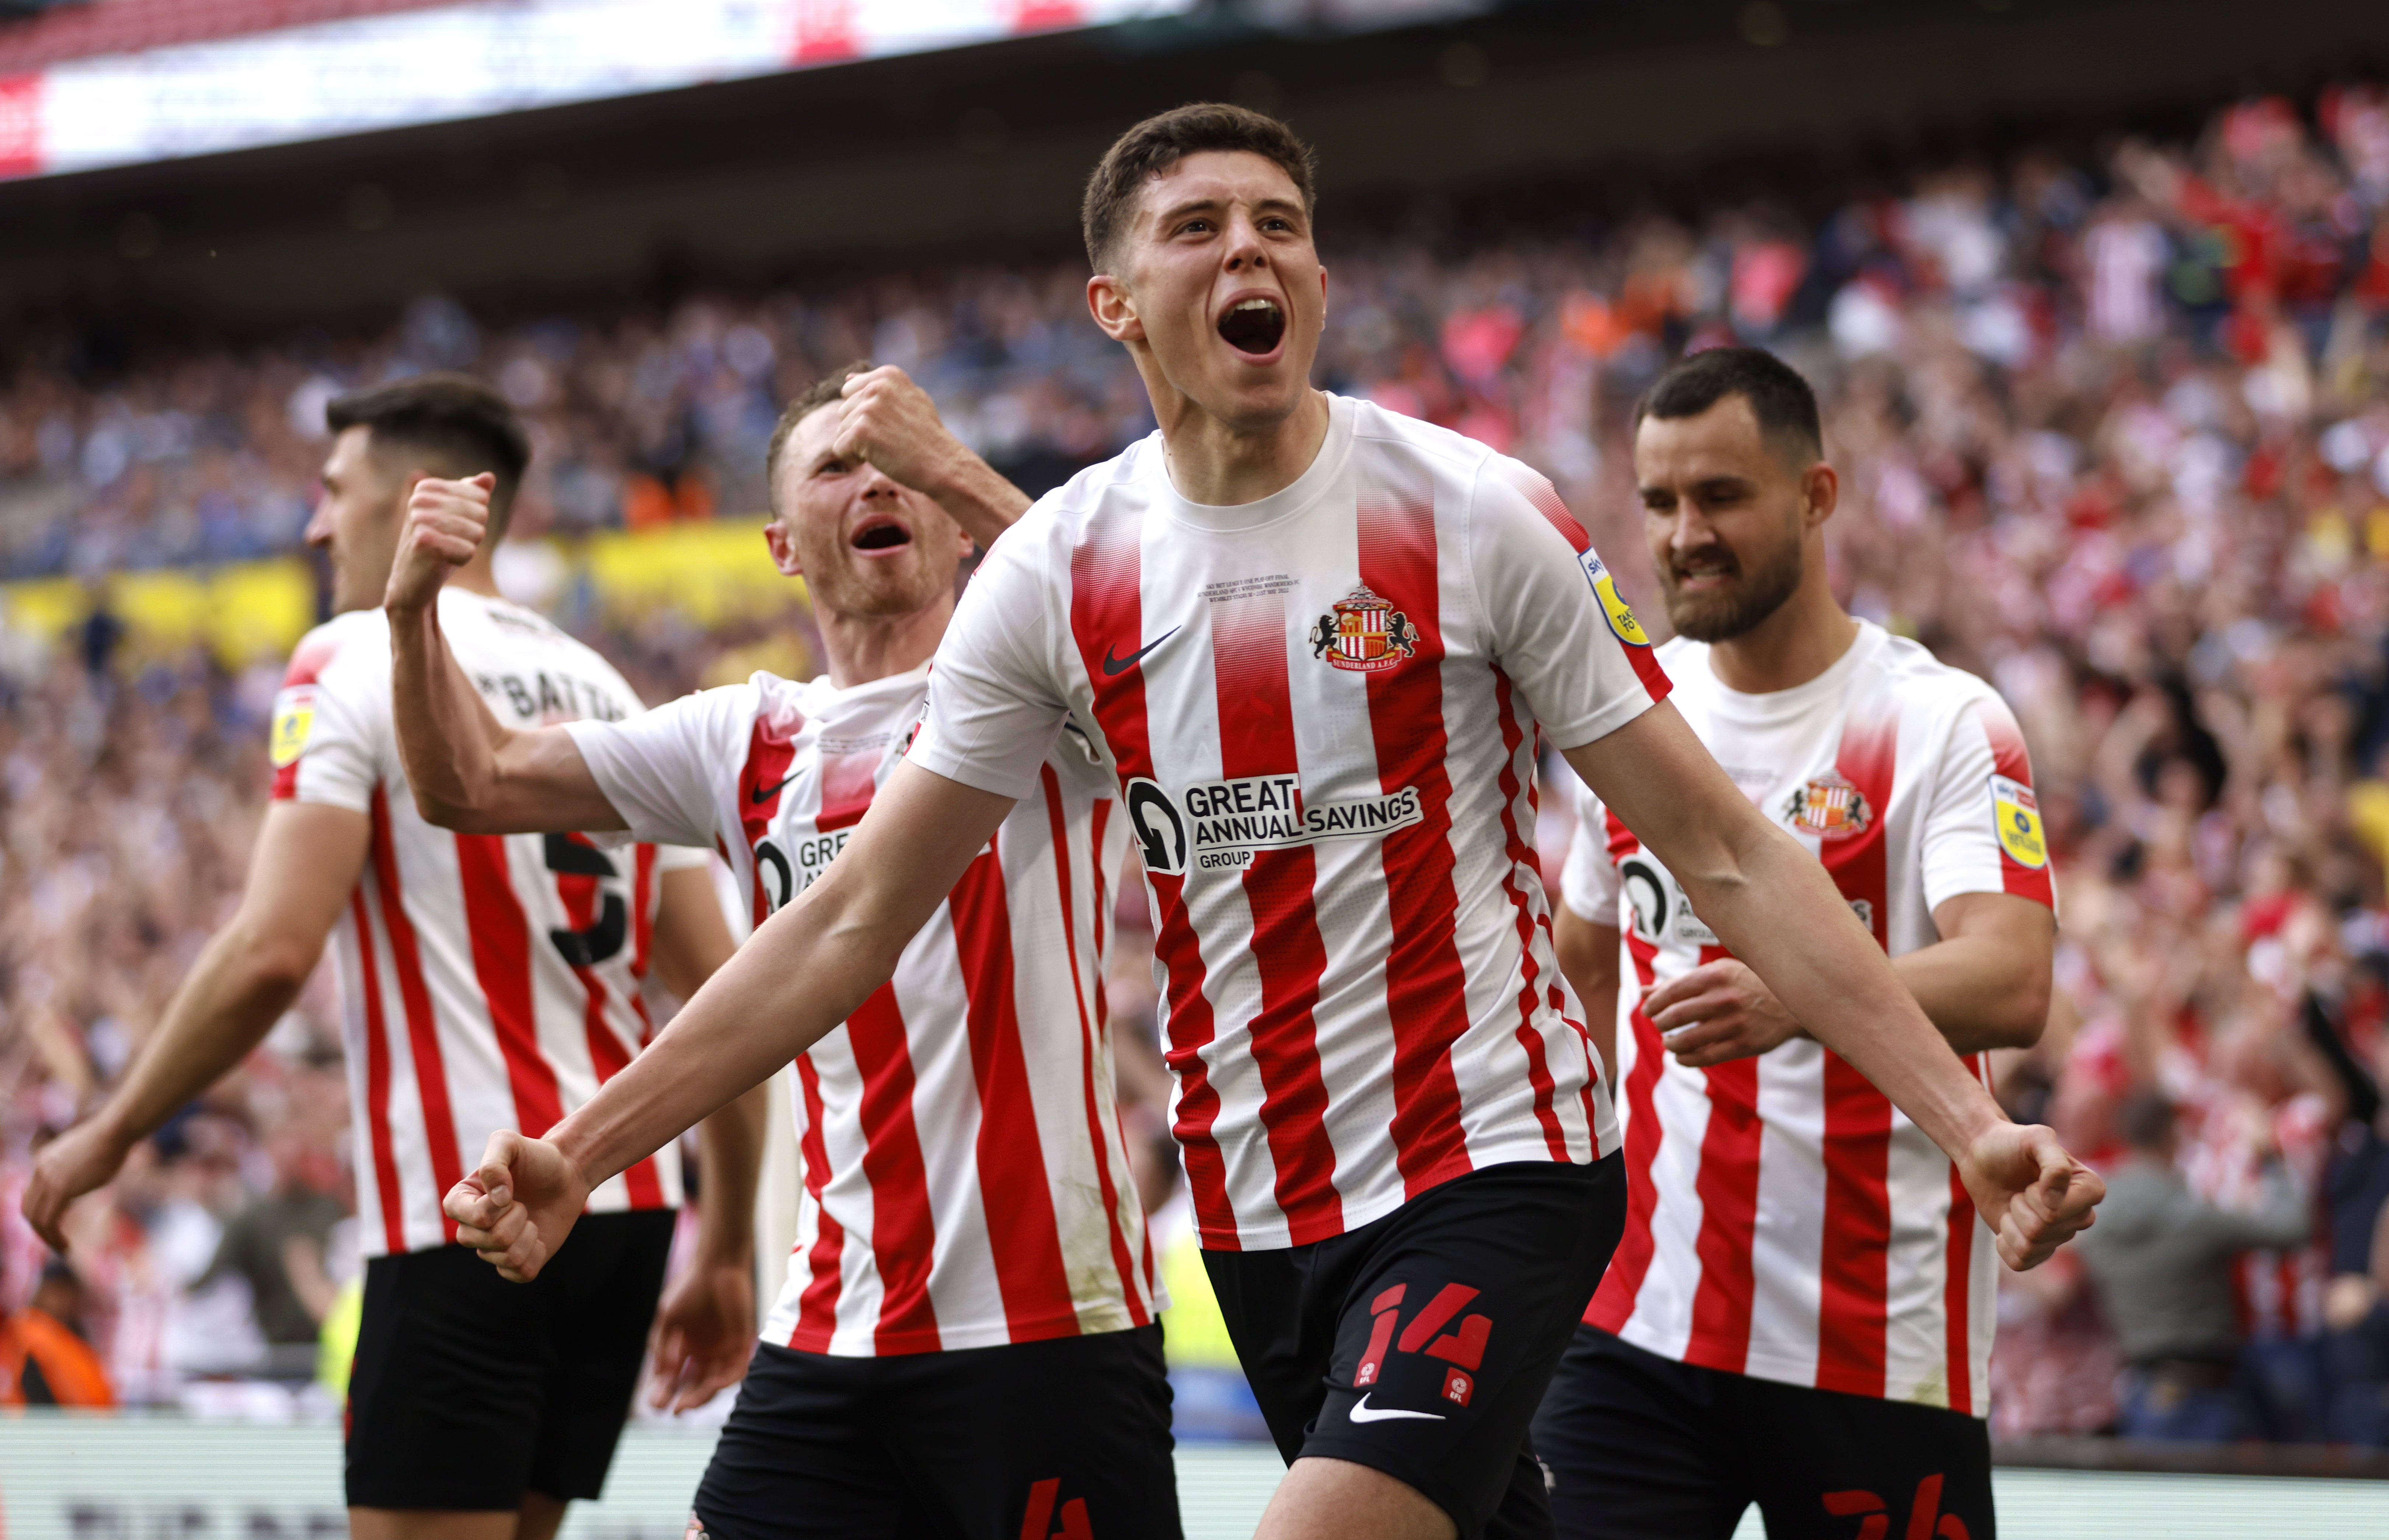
(319, 524)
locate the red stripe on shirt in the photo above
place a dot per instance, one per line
(1107, 609)
(1613, 1303)
(817, 1306)
(2010, 759)
(1255, 715)
(1530, 1039)
(1029, 1271)
(1425, 989)
(422, 1027)
(1091, 1041)
(583, 897)
(1727, 1182)
(903, 1229)
(1956, 1290)
(501, 939)
(385, 1162)
(1853, 1263)
(769, 747)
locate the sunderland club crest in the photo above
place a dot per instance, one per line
(1365, 635)
(1830, 808)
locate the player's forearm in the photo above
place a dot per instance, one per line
(730, 1148)
(1977, 993)
(1588, 956)
(447, 739)
(975, 497)
(236, 992)
(1779, 912)
(801, 974)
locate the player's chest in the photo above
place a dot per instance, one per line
(797, 812)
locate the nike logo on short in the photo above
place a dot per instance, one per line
(764, 793)
(1113, 664)
(1362, 1412)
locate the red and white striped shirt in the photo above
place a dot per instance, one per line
(487, 981)
(1322, 710)
(965, 1180)
(1785, 1220)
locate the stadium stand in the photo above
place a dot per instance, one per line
(2114, 435)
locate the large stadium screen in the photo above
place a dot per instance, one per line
(431, 64)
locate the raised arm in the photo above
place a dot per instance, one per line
(892, 423)
(1776, 909)
(804, 971)
(468, 771)
(301, 874)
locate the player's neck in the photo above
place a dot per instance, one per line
(1224, 465)
(860, 648)
(1807, 634)
(478, 575)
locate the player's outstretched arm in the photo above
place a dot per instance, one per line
(892, 423)
(704, 1326)
(804, 971)
(1774, 906)
(300, 873)
(468, 771)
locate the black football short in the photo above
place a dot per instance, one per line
(1642, 1447)
(469, 1390)
(1067, 1437)
(1419, 1343)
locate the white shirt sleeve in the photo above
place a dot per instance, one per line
(657, 767)
(1981, 831)
(1589, 880)
(996, 701)
(331, 719)
(1558, 627)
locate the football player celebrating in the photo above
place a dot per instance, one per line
(1400, 1150)
(485, 984)
(966, 1342)
(1800, 1312)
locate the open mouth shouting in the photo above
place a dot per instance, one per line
(1254, 325)
(880, 533)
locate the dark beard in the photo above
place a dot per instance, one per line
(1724, 617)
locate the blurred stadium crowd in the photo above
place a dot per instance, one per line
(2114, 432)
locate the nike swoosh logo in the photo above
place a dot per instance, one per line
(1113, 664)
(761, 795)
(1362, 1412)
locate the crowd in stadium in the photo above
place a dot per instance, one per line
(2114, 432)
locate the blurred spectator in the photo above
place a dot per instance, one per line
(44, 1358)
(2162, 1258)
(280, 1246)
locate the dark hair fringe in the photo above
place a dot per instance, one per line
(451, 423)
(1166, 138)
(1781, 399)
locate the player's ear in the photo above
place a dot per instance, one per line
(1821, 492)
(1114, 309)
(783, 548)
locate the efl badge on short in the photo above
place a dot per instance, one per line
(1365, 635)
(2017, 817)
(1620, 613)
(1831, 808)
(294, 718)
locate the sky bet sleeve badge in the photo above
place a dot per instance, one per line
(1604, 588)
(294, 718)
(2017, 817)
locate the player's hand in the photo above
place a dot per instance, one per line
(2034, 1195)
(1720, 1010)
(446, 522)
(704, 1333)
(517, 1209)
(892, 423)
(84, 1159)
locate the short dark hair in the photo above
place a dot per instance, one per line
(1161, 142)
(2146, 1120)
(1779, 398)
(812, 399)
(451, 423)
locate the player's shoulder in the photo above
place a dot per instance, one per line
(1380, 429)
(346, 647)
(1909, 672)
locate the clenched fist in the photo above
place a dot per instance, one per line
(891, 422)
(518, 1205)
(446, 522)
(2033, 1195)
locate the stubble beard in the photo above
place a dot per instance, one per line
(1721, 616)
